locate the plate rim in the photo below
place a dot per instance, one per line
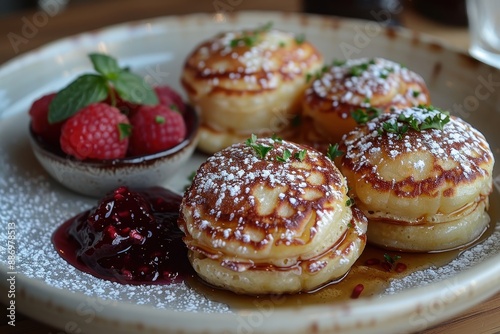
(310, 310)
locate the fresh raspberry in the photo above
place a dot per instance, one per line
(168, 97)
(39, 113)
(154, 129)
(94, 133)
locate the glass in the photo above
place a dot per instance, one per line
(484, 25)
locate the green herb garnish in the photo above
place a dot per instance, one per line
(333, 152)
(435, 122)
(386, 72)
(317, 74)
(391, 259)
(361, 116)
(299, 39)
(260, 150)
(276, 138)
(349, 202)
(404, 122)
(393, 127)
(286, 155)
(300, 155)
(338, 62)
(250, 38)
(92, 88)
(357, 70)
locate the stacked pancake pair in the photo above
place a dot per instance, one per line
(272, 216)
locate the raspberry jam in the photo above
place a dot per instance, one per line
(130, 237)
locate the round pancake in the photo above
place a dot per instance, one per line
(342, 92)
(246, 82)
(435, 179)
(305, 275)
(270, 216)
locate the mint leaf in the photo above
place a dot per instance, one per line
(106, 65)
(132, 88)
(84, 90)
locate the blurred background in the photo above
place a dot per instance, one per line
(28, 24)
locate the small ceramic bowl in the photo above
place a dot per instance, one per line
(96, 178)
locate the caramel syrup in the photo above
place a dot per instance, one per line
(374, 277)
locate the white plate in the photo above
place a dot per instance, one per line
(51, 291)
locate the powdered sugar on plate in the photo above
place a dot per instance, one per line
(32, 203)
(36, 205)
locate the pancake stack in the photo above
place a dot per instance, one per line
(421, 177)
(248, 82)
(270, 216)
(348, 93)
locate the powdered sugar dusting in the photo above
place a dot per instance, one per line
(36, 205)
(254, 57)
(356, 81)
(219, 182)
(457, 141)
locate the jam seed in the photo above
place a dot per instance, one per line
(400, 267)
(356, 292)
(372, 262)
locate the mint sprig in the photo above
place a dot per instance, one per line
(92, 88)
(105, 65)
(85, 90)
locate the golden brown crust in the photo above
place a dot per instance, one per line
(360, 84)
(251, 204)
(424, 237)
(243, 86)
(247, 213)
(304, 275)
(415, 179)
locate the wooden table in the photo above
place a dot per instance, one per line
(81, 16)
